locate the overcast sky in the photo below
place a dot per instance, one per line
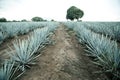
(95, 10)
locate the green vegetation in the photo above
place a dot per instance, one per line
(37, 19)
(111, 29)
(24, 20)
(105, 51)
(96, 37)
(3, 19)
(12, 29)
(8, 71)
(74, 13)
(26, 50)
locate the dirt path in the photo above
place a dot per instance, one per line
(63, 61)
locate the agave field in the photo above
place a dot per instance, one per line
(96, 37)
(100, 40)
(25, 51)
(12, 29)
(111, 29)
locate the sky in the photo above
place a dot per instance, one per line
(94, 10)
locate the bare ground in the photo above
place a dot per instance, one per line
(63, 61)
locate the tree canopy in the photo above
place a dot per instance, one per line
(3, 19)
(37, 19)
(74, 13)
(23, 20)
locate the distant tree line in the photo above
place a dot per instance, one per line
(72, 13)
(3, 19)
(34, 19)
(37, 19)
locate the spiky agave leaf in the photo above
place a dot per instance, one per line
(38, 38)
(26, 49)
(111, 29)
(8, 71)
(105, 50)
(23, 56)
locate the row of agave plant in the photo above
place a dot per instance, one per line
(24, 53)
(12, 29)
(112, 29)
(105, 51)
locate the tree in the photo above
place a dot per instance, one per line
(74, 13)
(24, 20)
(15, 21)
(37, 19)
(52, 20)
(3, 19)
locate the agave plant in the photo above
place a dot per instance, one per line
(108, 28)
(18, 28)
(1, 37)
(25, 50)
(39, 38)
(23, 56)
(8, 71)
(103, 48)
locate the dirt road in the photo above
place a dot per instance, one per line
(65, 60)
